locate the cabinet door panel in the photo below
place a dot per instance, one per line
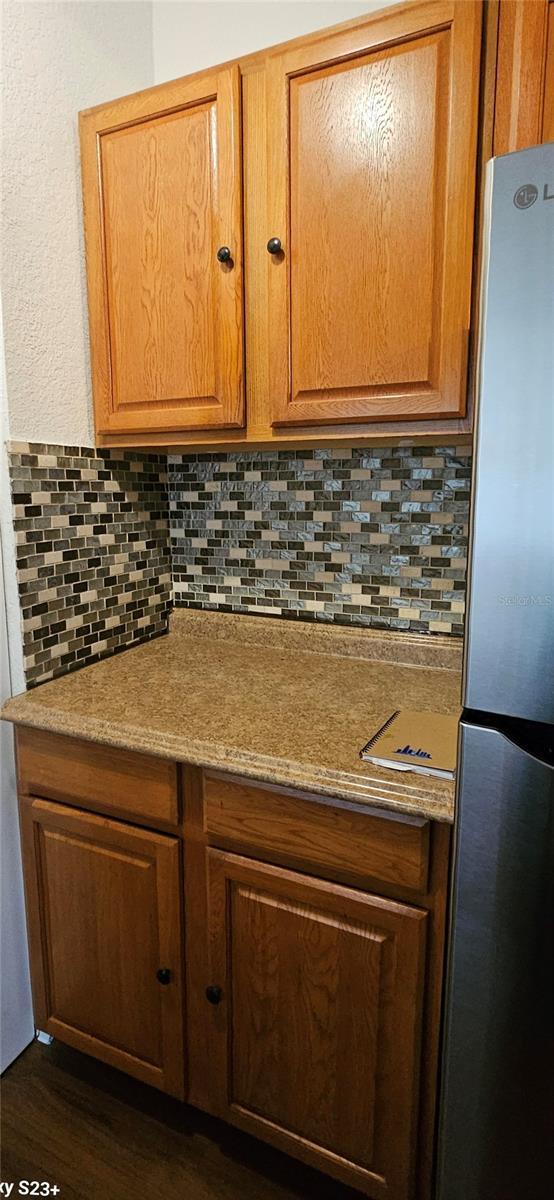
(161, 175)
(275, 945)
(104, 916)
(95, 968)
(317, 1032)
(371, 138)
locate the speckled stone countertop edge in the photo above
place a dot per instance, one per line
(394, 795)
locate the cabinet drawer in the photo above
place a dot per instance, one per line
(99, 777)
(312, 831)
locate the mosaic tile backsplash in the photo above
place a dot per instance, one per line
(92, 550)
(359, 537)
(107, 539)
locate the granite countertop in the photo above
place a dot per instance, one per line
(287, 704)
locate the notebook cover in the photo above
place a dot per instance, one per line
(416, 739)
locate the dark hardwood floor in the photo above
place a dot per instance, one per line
(101, 1136)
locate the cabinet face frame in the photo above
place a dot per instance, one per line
(398, 1016)
(547, 130)
(444, 395)
(524, 107)
(40, 818)
(216, 92)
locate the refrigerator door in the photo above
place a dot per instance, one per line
(496, 1119)
(509, 648)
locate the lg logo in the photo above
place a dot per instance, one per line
(528, 193)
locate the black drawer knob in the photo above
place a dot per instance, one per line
(224, 254)
(163, 975)
(213, 993)
(274, 246)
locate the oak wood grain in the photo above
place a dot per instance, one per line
(94, 776)
(382, 433)
(521, 74)
(404, 420)
(548, 102)
(485, 122)
(316, 835)
(317, 1033)
(196, 940)
(371, 187)
(436, 901)
(104, 911)
(104, 914)
(162, 191)
(359, 177)
(159, 258)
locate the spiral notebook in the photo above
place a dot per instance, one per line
(416, 740)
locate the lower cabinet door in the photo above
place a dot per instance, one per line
(316, 997)
(104, 916)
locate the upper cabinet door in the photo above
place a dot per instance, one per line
(371, 189)
(162, 195)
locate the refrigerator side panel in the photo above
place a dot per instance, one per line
(496, 1114)
(509, 655)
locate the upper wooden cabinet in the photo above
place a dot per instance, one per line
(371, 143)
(162, 194)
(359, 151)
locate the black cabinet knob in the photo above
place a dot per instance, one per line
(224, 254)
(163, 975)
(213, 993)
(274, 246)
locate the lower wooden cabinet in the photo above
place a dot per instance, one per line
(312, 1007)
(103, 910)
(316, 1012)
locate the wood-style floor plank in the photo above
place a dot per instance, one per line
(96, 1133)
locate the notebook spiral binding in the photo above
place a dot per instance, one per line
(379, 734)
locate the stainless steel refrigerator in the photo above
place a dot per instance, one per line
(496, 1122)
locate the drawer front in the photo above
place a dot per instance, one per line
(98, 777)
(310, 831)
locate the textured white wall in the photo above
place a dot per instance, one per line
(56, 59)
(200, 33)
